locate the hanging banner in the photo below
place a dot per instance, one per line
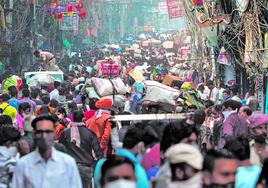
(266, 98)
(175, 9)
(69, 21)
(265, 53)
(162, 7)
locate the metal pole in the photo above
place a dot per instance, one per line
(143, 117)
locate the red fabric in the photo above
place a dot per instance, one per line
(58, 130)
(89, 114)
(102, 128)
(104, 104)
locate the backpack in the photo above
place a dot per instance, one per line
(2, 110)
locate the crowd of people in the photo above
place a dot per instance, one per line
(61, 136)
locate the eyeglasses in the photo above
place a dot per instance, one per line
(39, 132)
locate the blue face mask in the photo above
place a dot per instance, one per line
(225, 98)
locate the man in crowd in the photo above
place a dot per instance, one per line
(46, 167)
(247, 174)
(118, 172)
(257, 129)
(48, 59)
(186, 165)
(26, 98)
(132, 147)
(219, 170)
(55, 93)
(80, 143)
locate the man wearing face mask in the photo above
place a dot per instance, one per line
(257, 128)
(9, 155)
(132, 149)
(219, 170)
(46, 167)
(233, 124)
(186, 165)
(179, 105)
(118, 172)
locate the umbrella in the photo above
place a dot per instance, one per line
(41, 79)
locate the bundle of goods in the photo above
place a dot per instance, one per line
(191, 96)
(104, 88)
(172, 81)
(157, 93)
(108, 68)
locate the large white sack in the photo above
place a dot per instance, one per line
(120, 86)
(103, 87)
(159, 93)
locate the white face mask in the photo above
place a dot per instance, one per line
(179, 109)
(121, 183)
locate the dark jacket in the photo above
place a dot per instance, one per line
(89, 144)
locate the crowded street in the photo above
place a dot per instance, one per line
(133, 94)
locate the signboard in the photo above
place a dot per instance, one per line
(162, 7)
(175, 9)
(69, 22)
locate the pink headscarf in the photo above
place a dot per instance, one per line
(257, 120)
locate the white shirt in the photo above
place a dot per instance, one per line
(59, 171)
(214, 94)
(54, 94)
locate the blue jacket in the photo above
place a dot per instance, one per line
(142, 180)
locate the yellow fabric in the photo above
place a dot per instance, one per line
(10, 111)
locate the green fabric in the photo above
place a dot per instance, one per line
(11, 81)
(66, 43)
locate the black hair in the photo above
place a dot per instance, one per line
(78, 116)
(227, 91)
(199, 117)
(114, 161)
(45, 99)
(192, 107)
(54, 117)
(248, 111)
(92, 104)
(132, 137)
(61, 110)
(72, 106)
(232, 104)
(37, 53)
(24, 86)
(41, 118)
(24, 107)
(239, 147)
(8, 133)
(149, 136)
(34, 93)
(54, 103)
(175, 132)
(211, 157)
(209, 103)
(56, 84)
(5, 97)
(26, 93)
(5, 120)
(13, 91)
